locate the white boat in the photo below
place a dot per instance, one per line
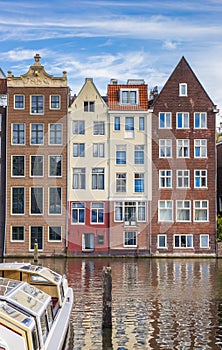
(35, 308)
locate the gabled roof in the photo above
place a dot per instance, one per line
(183, 73)
(113, 96)
(89, 81)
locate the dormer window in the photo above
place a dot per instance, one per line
(129, 97)
(183, 89)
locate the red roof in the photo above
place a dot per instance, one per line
(113, 97)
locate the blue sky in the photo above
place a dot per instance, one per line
(119, 39)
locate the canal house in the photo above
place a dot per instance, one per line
(36, 175)
(184, 167)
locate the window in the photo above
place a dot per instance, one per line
(98, 150)
(98, 128)
(19, 101)
(55, 233)
(117, 123)
(165, 210)
(18, 166)
(183, 121)
(183, 89)
(201, 210)
(54, 102)
(18, 134)
(78, 127)
(165, 178)
(100, 239)
(130, 212)
(36, 200)
(97, 213)
(183, 148)
(98, 178)
(200, 178)
(36, 237)
(89, 106)
(204, 241)
(183, 210)
(17, 233)
(183, 178)
(130, 239)
(55, 134)
(165, 120)
(37, 134)
(36, 163)
(165, 148)
(55, 204)
(121, 154)
(78, 213)
(55, 165)
(79, 178)
(129, 123)
(121, 182)
(139, 154)
(141, 123)
(200, 148)
(88, 241)
(129, 96)
(200, 120)
(37, 104)
(183, 241)
(79, 150)
(162, 241)
(138, 182)
(18, 200)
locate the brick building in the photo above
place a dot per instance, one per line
(184, 167)
(36, 195)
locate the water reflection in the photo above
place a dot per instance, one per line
(157, 303)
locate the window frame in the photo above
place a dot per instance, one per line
(185, 120)
(202, 178)
(19, 134)
(202, 119)
(98, 209)
(89, 106)
(56, 162)
(201, 208)
(201, 241)
(139, 182)
(31, 164)
(183, 177)
(120, 182)
(98, 150)
(117, 125)
(181, 246)
(159, 246)
(127, 239)
(78, 150)
(201, 147)
(41, 108)
(53, 134)
(129, 101)
(78, 127)
(31, 238)
(79, 209)
(55, 240)
(11, 234)
(58, 103)
(165, 148)
(98, 173)
(183, 148)
(39, 140)
(80, 175)
(183, 208)
(19, 102)
(183, 91)
(165, 177)
(139, 157)
(165, 208)
(165, 120)
(18, 200)
(122, 210)
(120, 158)
(54, 200)
(32, 196)
(12, 165)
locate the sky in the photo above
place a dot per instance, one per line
(116, 39)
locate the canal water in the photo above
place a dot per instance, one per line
(156, 303)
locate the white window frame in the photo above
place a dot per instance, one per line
(43, 104)
(201, 208)
(11, 233)
(183, 144)
(31, 131)
(49, 201)
(97, 207)
(165, 147)
(79, 177)
(80, 127)
(139, 207)
(202, 122)
(98, 150)
(158, 241)
(42, 200)
(184, 175)
(55, 133)
(202, 145)
(34, 155)
(121, 182)
(165, 205)
(81, 206)
(202, 175)
(23, 104)
(201, 241)
(30, 236)
(78, 150)
(165, 178)
(183, 89)
(59, 156)
(59, 102)
(99, 128)
(24, 165)
(18, 132)
(129, 101)
(167, 120)
(186, 243)
(124, 239)
(185, 120)
(24, 196)
(183, 206)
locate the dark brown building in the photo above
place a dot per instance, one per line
(36, 193)
(184, 167)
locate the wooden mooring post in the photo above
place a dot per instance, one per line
(107, 309)
(107, 298)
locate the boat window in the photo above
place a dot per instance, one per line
(38, 279)
(49, 312)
